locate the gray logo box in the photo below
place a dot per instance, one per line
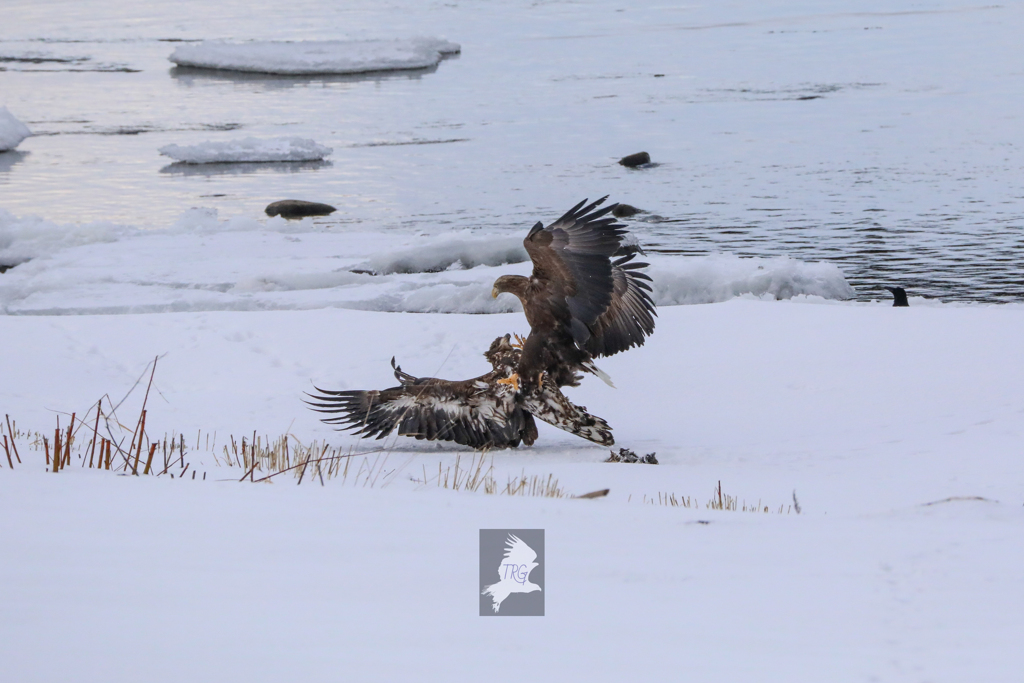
(512, 572)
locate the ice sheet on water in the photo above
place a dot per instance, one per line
(202, 262)
(12, 131)
(315, 57)
(246, 150)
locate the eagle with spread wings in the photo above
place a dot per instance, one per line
(483, 413)
(585, 299)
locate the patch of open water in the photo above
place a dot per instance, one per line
(859, 138)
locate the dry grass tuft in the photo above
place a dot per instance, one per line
(475, 478)
(104, 442)
(719, 501)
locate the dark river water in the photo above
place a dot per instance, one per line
(885, 139)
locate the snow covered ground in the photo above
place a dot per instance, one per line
(899, 430)
(248, 150)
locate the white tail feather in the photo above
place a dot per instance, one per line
(590, 367)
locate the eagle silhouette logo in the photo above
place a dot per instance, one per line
(514, 572)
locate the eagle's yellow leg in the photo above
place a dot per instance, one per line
(519, 343)
(512, 380)
(540, 380)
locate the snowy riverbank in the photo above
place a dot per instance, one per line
(867, 412)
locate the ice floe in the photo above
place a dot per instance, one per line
(247, 150)
(315, 56)
(12, 131)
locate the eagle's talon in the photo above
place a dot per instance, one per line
(512, 380)
(519, 343)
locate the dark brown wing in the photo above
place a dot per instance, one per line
(572, 264)
(477, 413)
(629, 318)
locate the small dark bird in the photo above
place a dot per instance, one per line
(899, 296)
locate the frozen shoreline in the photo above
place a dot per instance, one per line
(867, 412)
(204, 263)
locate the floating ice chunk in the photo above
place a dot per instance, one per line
(248, 150)
(12, 131)
(315, 56)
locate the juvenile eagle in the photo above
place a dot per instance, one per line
(580, 303)
(482, 412)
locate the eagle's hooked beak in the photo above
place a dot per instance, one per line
(494, 292)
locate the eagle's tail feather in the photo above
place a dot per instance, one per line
(590, 367)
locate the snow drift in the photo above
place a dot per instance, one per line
(247, 264)
(248, 150)
(315, 57)
(12, 131)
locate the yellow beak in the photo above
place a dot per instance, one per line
(494, 292)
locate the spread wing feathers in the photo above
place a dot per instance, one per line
(572, 257)
(517, 552)
(474, 413)
(629, 318)
(551, 405)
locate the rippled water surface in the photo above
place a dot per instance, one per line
(884, 138)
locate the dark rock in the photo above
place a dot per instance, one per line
(624, 211)
(296, 208)
(899, 296)
(634, 160)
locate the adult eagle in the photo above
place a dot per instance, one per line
(586, 297)
(483, 412)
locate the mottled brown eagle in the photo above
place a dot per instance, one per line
(482, 412)
(585, 299)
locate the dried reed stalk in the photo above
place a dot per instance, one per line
(10, 431)
(67, 444)
(138, 451)
(149, 460)
(57, 455)
(95, 433)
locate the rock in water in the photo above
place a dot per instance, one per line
(634, 160)
(899, 296)
(296, 208)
